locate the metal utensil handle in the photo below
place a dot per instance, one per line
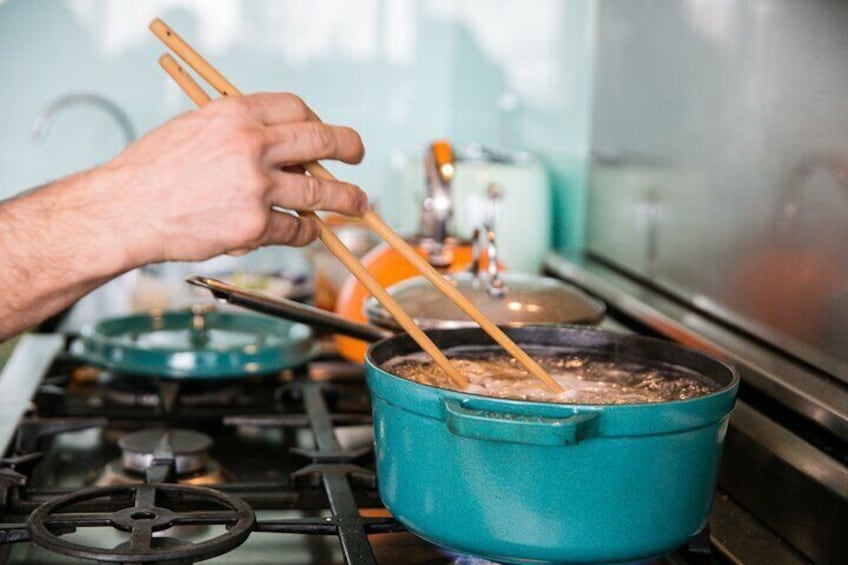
(287, 309)
(497, 287)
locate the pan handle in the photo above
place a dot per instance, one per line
(288, 309)
(484, 424)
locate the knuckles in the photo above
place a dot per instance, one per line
(306, 234)
(294, 231)
(234, 107)
(249, 229)
(257, 179)
(243, 142)
(311, 192)
(322, 139)
(298, 108)
(250, 107)
(251, 141)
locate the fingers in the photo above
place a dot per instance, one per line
(292, 133)
(301, 192)
(305, 141)
(287, 229)
(273, 135)
(272, 107)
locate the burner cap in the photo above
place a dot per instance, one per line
(189, 449)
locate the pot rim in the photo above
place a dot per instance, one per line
(514, 402)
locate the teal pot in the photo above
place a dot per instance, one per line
(529, 482)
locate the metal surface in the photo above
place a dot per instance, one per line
(505, 298)
(795, 489)
(786, 467)
(437, 207)
(524, 299)
(720, 162)
(287, 309)
(323, 512)
(797, 386)
(190, 449)
(497, 286)
(740, 538)
(350, 524)
(141, 511)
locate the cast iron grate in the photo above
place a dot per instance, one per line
(331, 479)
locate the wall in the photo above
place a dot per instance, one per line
(361, 63)
(402, 72)
(721, 169)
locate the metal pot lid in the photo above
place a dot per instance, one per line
(202, 343)
(513, 299)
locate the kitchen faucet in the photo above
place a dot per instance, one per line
(437, 208)
(41, 124)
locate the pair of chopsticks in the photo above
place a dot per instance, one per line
(370, 218)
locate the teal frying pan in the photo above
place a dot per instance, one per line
(198, 344)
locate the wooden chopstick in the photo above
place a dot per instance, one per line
(184, 80)
(370, 218)
(376, 223)
(334, 244)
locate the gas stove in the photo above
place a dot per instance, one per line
(279, 468)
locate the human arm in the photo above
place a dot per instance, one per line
(200, 185)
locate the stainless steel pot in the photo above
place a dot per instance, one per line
(508, 299)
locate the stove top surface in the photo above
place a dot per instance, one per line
(273, 469)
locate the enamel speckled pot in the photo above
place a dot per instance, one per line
(528, 482)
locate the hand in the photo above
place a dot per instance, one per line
(203, 183)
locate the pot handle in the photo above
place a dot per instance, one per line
(488, 425)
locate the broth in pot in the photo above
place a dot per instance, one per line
(587, 379)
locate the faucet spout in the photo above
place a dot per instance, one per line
(42, 123)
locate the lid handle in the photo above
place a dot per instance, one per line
(496, 287)
(199, 333)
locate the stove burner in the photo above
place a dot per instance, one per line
(190, 449)
(140, 511)
(149, 392)
(114, 474)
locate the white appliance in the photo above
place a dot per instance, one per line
(508, 190)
